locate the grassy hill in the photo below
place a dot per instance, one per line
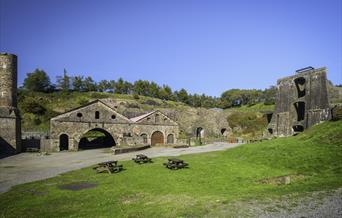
(215, 180)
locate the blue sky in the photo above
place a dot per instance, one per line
(205, 46)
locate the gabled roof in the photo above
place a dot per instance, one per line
(90, 103)
(136, 119)
(139, 118)
(132, 120)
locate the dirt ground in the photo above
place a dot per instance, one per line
(29, 167)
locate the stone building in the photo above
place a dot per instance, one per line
(301, 101)
(67, 130)
(10, 131)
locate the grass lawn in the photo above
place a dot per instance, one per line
(313, 159)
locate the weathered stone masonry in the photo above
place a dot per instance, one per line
(301, 101)
(10, 131)
(152, 128)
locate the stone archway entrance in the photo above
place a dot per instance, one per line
(157, 138)
(96, 138)
(63, 142)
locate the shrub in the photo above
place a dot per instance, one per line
(136, 96)
(32, 105)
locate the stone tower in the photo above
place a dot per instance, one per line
(301, 101)
(10, 131)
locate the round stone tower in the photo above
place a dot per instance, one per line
(10, 131)
(8, 80)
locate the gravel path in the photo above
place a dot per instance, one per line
(29, 167)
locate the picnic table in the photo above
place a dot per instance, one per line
(109, 166)
(141, 158)
(175, 164)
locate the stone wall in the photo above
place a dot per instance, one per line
(99, 116)
(75, 131)
(301, 101)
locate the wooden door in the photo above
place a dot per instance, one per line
(157, 138)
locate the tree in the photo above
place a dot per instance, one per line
(166, 93)
(183, 96)
(123, 87)
(128, 87)
(77, 83)
(37, 81)
(141, 87)
(153, 90)
(63, 83)
(89, 84)
(112, 84)
(103, 85)
(269, 95)
(119, 86)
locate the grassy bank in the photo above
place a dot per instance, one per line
(312, 159)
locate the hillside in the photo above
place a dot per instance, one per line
(37, 108)
(215, 185)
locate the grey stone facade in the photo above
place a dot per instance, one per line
(152, 128)
(301, 101)
(10, 131)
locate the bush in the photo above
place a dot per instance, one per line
(82, 101)
(32, 105)
(136, 96)
(151, 102)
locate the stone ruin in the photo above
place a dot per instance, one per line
(301, 101)
(10, 131)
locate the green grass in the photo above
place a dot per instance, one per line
(213, 181)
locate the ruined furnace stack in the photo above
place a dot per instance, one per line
(10, 132)
(301, 101)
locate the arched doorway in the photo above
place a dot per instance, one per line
(96, 138)
(63, 142)
(170, 139)
(199, 133)
(157, 138)
(223, 131)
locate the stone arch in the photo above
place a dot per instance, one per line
(170, 139)
(63, 142)
(157, 138)
(96, 138)
(144, 137)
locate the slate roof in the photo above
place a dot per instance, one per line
(136, 119)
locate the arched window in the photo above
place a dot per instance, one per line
(170, 139)
(97, 115)
(144, 137)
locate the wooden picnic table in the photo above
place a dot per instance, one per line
(109, 166)
(175, 164)
(141, 158)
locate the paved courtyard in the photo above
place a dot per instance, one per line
(29, 167)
